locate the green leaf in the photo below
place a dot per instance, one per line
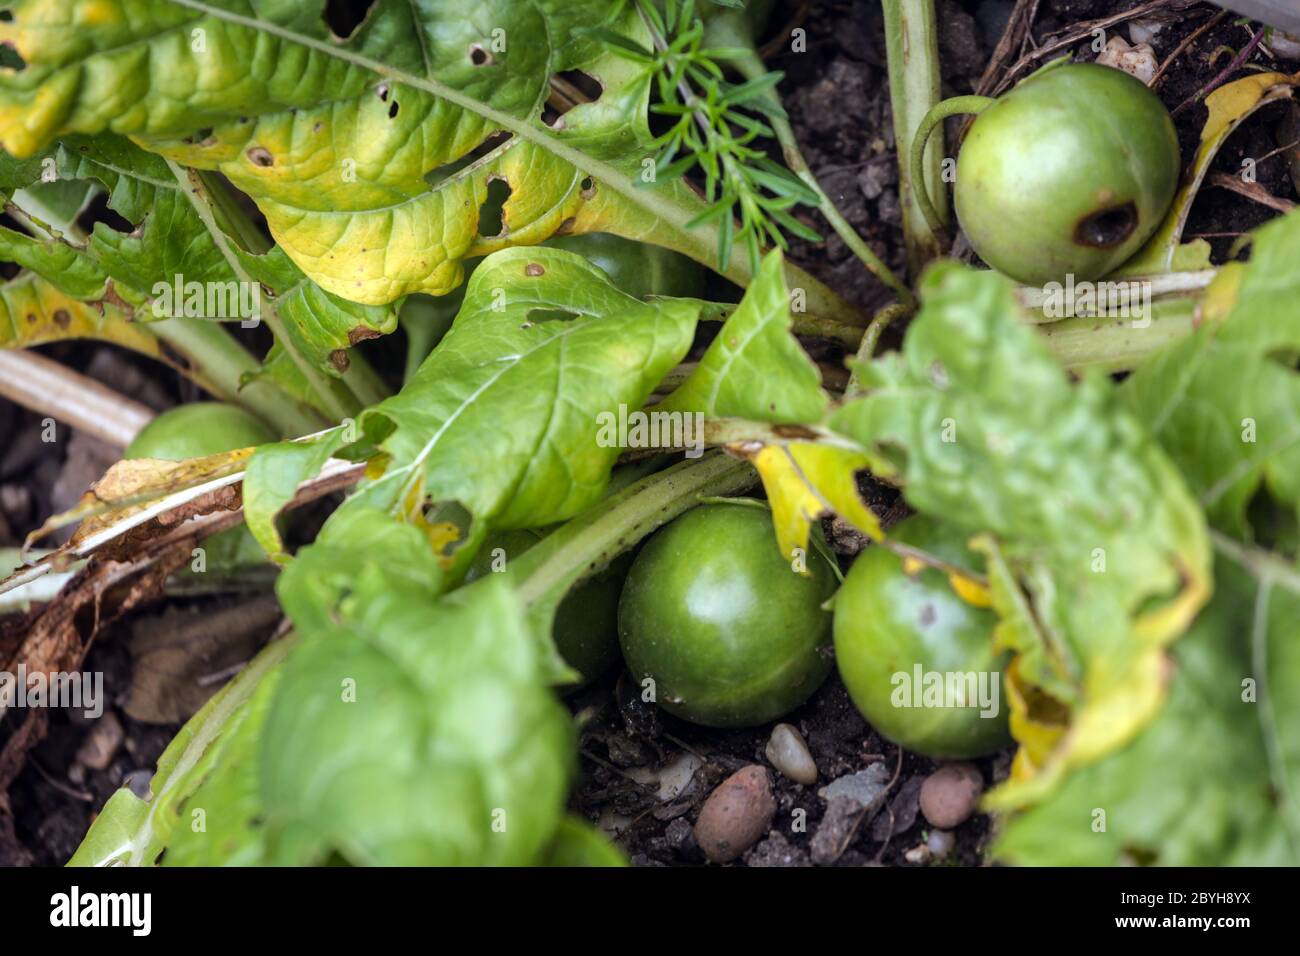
(578, 843)
(986, 432)
(321, 326)
(134, 832)
(228, 801)
(1213, 781)
(506, 415)
(272, 478)
(370, 157)
(1225, 403)
(58, 263)
(171, 248)
(409, 729)
(169, 239)
(755, 368)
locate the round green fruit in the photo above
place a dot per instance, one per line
(638, 268)
(1069, 173)
(897, 633)
(586, 622)
(196, 430)
(730, 634)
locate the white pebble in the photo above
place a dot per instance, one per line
(1138, 61)
(1144, 31)
(788, 753)
(1284, 45)
(940, 843)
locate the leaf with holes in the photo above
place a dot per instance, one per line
(509, 415)
(175, 261)
(384, 160)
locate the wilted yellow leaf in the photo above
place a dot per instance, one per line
(805, 481)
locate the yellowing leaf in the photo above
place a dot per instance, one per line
(376, 159)
(1229, 106)
(1097, 553)
(33, 312)
(805, 481)
(134, 485)
(970, 591)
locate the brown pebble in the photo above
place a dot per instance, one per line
(950, 795)
(736, 815)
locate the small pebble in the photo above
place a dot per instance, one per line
(919, 854)
(1144, 31)
(835, 830)
(139, 782)
(736, 815)
(950, 795)
(789, 754)
(1137, 61)
(1285, 45)
(101, 742)
(865, 788)
(940, 843)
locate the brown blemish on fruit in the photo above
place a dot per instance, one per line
(1107, 228)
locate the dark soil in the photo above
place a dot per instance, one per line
(837, 95)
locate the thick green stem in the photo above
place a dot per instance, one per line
(201, 199)
(589, 542)
(923, 191)
(1118, 345)
(220, 363)
(360, 380)
(1110, 343)
(426, 321)
(912, 49)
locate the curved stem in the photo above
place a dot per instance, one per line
(937, 114)
(589, 542)
(867, 347)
